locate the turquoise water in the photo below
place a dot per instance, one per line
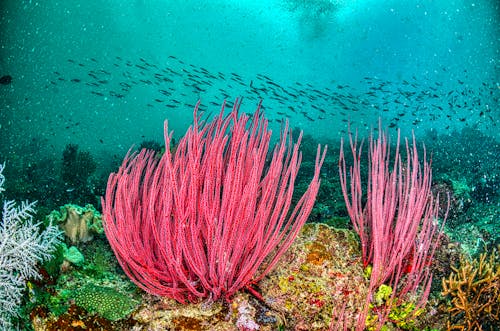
(417, 64)
(104, 75)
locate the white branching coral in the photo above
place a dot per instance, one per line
(22, 247)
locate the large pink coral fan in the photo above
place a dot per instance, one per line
(212, 218)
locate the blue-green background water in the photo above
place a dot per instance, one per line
(435, 62)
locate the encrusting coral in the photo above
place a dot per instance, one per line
(474, 289)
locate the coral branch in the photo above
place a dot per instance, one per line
(212, 218)
(398, 223)
(474, 289)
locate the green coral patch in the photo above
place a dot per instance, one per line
(105, 301)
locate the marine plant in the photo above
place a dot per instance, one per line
(474, 293)
(214, 217)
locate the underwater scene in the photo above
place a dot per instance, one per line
(250, 165)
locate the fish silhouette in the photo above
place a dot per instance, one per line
(6, 80)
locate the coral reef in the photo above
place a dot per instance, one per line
(470, 172)
(73, 255)
(474, 289)
(90, 295)
(74, 319)
(35, 174)
(80, 224)
(153, 145)
(77, 166)
(319, 273)
(106, 301)
(321, 276)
